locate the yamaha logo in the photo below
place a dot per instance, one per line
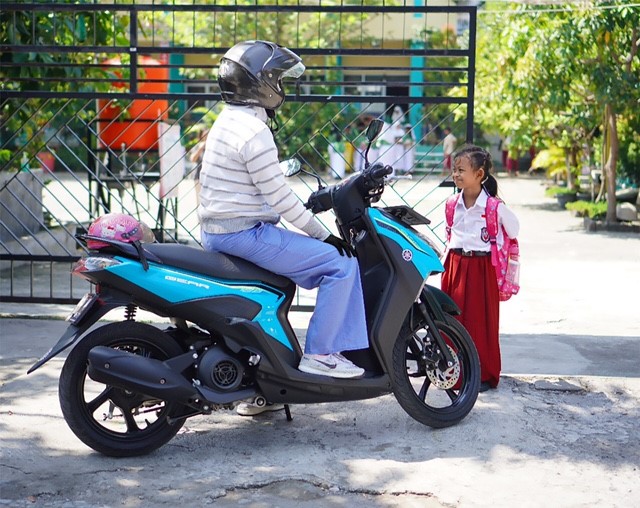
(407, 255)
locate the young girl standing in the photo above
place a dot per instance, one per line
(469, 276)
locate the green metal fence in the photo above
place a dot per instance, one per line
(102, 104)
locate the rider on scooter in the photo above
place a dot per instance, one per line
(244, 194)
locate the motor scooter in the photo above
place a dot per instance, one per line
(126, 388)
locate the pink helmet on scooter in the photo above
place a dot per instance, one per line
(120, 227)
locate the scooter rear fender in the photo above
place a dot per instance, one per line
(102, 305)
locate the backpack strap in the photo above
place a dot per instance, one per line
(491, 217)
(449, 211)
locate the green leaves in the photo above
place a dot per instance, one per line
(557, 68)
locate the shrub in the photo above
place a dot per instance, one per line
(553, 162)
(5, 155)
(556, 190)
(588, 208)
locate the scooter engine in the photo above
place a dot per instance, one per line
(219, 370)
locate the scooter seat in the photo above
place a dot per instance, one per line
(213, 264)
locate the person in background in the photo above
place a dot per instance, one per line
(405, 166)
(448, 146)
(504, 150)
(512, 162)
(512, 157)
(389, 142)
(337, 161)
(244, 195)
(195, 156)
(469, 277)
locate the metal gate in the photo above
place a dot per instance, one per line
(103, 105)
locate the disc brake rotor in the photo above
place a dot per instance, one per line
(445, 379)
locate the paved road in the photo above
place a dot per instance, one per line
(562, 429)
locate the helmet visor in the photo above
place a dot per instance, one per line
(295, 71)
(147, 235)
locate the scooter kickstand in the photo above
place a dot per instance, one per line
(287, 411)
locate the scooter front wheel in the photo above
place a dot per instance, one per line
(435, 396)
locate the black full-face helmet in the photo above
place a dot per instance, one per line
(251, 73)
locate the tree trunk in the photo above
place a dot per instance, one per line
(611, 142)
(573, 167)
(567, 163)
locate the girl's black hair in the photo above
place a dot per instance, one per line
(480, 159)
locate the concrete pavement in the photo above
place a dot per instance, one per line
(561, 430)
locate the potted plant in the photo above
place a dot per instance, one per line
(564, 195)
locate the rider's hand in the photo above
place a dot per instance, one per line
(343, 247)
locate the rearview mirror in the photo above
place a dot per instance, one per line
(291, 167)
(374, 128)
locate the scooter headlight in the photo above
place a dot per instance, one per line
(431, 244)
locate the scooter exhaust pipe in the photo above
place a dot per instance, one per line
(139, 374)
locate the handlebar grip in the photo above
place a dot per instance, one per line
(379, 171)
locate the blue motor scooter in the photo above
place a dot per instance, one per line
(127, 387)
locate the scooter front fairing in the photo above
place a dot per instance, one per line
(395, 262)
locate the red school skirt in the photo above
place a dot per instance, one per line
(471, 282)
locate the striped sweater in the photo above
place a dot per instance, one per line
(241, 180)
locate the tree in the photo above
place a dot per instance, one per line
(50, 71)
(564, 73)
(610, 41)
(57, 71)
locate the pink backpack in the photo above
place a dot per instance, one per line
(505, 260)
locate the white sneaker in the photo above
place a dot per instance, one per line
(253, 409)
(333, 365)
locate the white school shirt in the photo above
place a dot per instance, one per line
(469, 229)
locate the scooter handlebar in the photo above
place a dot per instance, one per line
(320, 200)
(373, 184)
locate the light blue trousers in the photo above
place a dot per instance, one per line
(338, 322)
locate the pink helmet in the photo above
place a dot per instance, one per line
(120, 227)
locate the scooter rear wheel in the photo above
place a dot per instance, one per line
(111, 420)
(435, 397)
